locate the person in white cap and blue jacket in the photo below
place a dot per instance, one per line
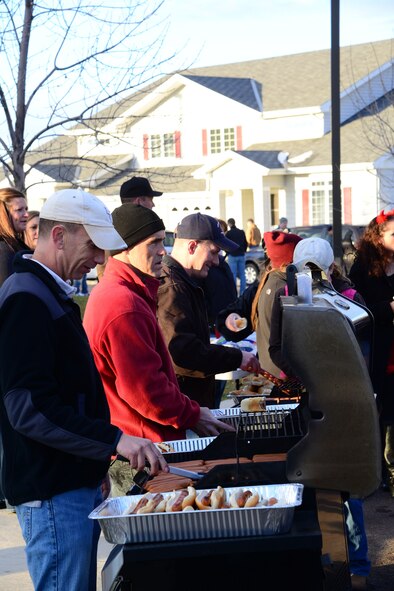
(55, 423)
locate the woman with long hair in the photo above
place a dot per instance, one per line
(373, 276)
(13, 217)
(31, 231)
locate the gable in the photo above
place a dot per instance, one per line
(243, 90)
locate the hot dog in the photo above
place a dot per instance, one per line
(152, 506)
(240, 498)
(140, 505)
(165, 447)
(203, 500)
(256, 404)
(181, 499)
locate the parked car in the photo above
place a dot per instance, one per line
(169, 241)
(254, 263)
(350, 237)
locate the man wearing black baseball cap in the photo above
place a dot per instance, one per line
(138, 190)
(182, 310)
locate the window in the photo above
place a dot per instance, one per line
(222, 139)
(167, 145)
(229, 138)
(321, 202)
(155, 146)
(215, 141)
(216, 146)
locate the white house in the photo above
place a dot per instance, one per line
(250, 139)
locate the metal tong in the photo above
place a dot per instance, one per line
(292, 386)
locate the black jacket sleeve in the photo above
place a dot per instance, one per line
(242, 306)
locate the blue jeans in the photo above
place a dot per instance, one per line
(82, 285)
(61, 542)
(237, 266)
(359, 563)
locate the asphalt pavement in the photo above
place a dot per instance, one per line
(379, 518)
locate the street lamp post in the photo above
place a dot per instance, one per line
(336, 133)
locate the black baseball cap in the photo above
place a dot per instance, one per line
(198, 226)
(138, 186)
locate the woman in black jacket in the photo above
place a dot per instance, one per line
(373, 276)
(13, 218)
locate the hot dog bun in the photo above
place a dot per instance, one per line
(203, 500)
(255, 404)
(243, 498)
(191, 497)
(140, 505)
(252, 500)
(174, 503)
(153, 502)
(218, 498)
(181, 499)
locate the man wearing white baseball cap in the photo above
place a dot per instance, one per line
(75, 206)
(54, 419)
(315, 251)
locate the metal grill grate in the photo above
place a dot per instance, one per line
(273, 423)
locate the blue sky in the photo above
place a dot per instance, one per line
(209, 32)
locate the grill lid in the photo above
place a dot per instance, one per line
(341, 450)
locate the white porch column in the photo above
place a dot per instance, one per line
(261, 213)
(234, 207)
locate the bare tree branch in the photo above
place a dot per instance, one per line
(62, 61)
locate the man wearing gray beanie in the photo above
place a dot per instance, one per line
(128, 347)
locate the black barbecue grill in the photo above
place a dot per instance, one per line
(332, 446)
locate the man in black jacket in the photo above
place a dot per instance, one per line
(55, 427)
(182, 312)
(236, 258)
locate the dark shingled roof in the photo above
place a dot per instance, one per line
(243, 90)
(267, 158)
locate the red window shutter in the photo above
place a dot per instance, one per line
(177, 139)
(239, 138)
(146, 146)
(305, 207)
(347, 205)
(204, 142)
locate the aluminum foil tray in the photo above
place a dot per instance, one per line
(119, 528)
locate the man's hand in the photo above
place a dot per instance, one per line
(208, 425)
(139, 451)
(250, 363)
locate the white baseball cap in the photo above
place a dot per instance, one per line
(78, 207)
(313, 250)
